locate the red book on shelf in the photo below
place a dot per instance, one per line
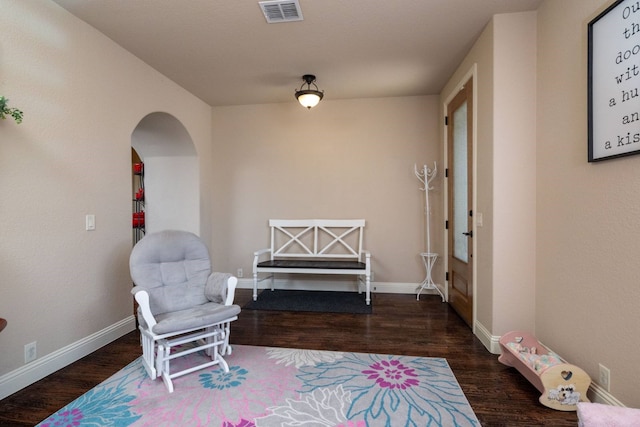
(138, 168)
(138, 219)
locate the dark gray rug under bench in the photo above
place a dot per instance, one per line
(312, 301)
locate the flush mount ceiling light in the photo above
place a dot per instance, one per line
(309, 97)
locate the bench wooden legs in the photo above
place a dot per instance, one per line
(255, 284)
(367, 286)
(362, 279)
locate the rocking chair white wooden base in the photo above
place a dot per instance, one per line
(159, 350)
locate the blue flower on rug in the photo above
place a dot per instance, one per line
(219, 380)
(393, 390)
(98, 407)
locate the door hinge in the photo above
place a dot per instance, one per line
(446, 224)
(471, 213)
(446, 173)
(446, 120)
(446, 276)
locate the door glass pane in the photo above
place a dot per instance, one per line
(460, 209)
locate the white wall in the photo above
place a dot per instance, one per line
(514, 172)
(588, 227)
(342, 159)
(82, 96)
(505, 58)
(172, 194)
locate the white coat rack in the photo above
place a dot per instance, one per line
(426, 175)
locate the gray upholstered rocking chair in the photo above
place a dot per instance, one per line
(180, 302)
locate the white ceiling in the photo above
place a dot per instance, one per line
(224, 52)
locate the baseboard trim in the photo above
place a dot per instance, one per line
(28, 374)
(336, 285)
(490, 342)
(598, 394)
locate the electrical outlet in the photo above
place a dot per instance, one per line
(240, 273)
(30, 353)
(605, 377)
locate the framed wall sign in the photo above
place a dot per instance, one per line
(614, 81)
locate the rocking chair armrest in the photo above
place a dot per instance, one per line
(231, 290)
(221, 288)
(142, 297)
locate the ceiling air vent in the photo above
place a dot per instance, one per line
(281, 11)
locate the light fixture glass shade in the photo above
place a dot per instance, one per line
(309, 97)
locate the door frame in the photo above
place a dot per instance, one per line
(471, 74)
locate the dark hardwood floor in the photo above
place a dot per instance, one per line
(499, 395)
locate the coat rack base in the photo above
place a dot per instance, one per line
(429, 259)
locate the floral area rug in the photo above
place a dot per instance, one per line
(268, 386)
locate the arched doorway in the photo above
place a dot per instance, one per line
(171, 173)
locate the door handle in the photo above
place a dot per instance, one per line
(470, 233)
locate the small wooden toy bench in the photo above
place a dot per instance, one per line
(562, 385)
(314, 246)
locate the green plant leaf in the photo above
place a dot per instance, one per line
(6, 111)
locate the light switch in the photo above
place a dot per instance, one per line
(479, 219)
(90, 221)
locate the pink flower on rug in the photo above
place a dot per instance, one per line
(392, 374)
(65, 418)
(242, 423)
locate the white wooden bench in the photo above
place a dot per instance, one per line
(314, 246)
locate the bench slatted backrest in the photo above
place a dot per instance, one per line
(316, 238)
